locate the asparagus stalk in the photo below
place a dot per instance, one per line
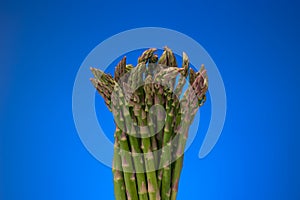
(194, 98)
(138, 104)
(167, 78)
(134, 143)
(119, 185)
(136, 151)
(149, 92)
(126, 157)
(141, 116)
(148, 88)
(104, 83)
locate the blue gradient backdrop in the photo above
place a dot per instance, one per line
(254, 44)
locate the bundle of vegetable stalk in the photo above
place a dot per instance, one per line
(153, 105)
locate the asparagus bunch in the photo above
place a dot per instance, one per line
(152, 113)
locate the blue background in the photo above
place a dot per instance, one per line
(254, 44)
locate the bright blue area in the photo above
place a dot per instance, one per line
(255, 45)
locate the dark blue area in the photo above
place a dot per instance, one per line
(255, 45)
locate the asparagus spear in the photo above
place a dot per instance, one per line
(104, 81)
(128, 128)
(168, 78)
(119, 185)
(126, 157)
(136, 151)
(194, 97)
(149, 90)
(138, 103)
(104, 84)
(140, 113)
